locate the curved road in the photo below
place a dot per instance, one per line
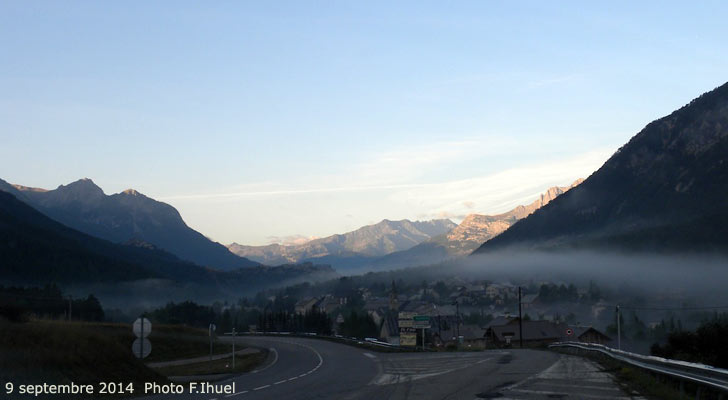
(300, 368)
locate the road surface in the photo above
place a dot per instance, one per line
(301, 368)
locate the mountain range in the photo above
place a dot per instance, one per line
(472, 232)
(37, 250)
(398, 244)
(126, 216)
(365, 243)
(663, 191)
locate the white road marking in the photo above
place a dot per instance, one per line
(275, 353)
(275, 360)
(400, 373)
(560, 394)
(236, 394)
(370, 355)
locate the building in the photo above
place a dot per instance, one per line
(535, 333)
(588, 334)
(390, 330)
(305, 306)
(540, 333)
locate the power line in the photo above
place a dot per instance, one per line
(646, 308)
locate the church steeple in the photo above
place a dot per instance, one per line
(393, 303)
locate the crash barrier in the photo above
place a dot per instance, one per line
(698, 374)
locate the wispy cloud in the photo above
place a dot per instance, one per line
(503, 190)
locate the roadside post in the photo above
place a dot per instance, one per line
(421, 322)
(210, 331)
(619, 331)
(141, 347)
(233, 333)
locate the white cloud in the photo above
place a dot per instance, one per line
(500, 191)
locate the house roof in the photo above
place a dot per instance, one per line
(498, 321)
(579, 331)
(390, 326)
(532, 330)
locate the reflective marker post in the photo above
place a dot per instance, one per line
(211, 329)
(233, 333)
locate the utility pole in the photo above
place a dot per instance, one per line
(70, 308)
(520, 319)
(457, 315)
(619, 331)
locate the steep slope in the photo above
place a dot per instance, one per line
(35, 250)
(476, 229)
(665, 190)
(468, 236)
(369, 241)
(125, 216)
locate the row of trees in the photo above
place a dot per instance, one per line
(18, 304)
(708, 344)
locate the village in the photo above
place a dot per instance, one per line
(469, 315)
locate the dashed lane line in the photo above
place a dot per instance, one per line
(275, 359)
(320, 363)
(235, 394)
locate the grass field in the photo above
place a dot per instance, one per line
(64, 352)
(243, 363)
(61, 352)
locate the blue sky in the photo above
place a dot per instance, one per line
(264, 120)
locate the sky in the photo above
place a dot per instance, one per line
(266, 121)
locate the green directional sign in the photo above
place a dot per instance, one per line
(421, 322)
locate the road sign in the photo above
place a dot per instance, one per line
(406, 319)
(421, 322)
(408, 339)
(142, 327)
(141, 347)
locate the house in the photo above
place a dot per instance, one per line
(472, 335)
(378, 315)
(329, 303)
(304, 306)
(529, 300)
(390, 330)
(587, 334)
(535, 333)
(376, 303)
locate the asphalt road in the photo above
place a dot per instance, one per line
(300, 368)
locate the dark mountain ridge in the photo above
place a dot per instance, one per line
(125, 216)
(665, 190)
(36, 250)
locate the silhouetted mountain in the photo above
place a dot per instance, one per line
(357, 246)
(125, 216)
(35, 249)
(466, 237)
(665, 190)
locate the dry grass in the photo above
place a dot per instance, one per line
(83, 352)
(61, 352)
(243, 363)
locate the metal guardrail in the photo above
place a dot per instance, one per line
(699, 374)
